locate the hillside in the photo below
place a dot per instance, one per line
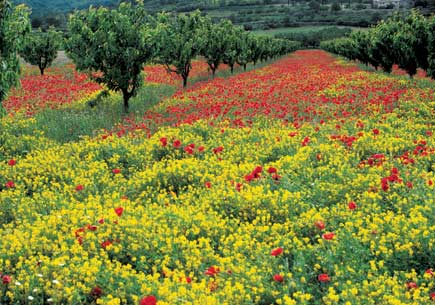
(41, 7)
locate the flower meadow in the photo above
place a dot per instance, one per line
(308, 181)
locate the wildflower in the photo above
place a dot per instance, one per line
(176, 144)
(218, 150)
(119, 211)
(352, 205)
(323, 278)
(116, 171)
(276, 251)
(6, 279)
(375, 131)
(319, 224)
(96, 292)
(271, 170)
(212, 271)
(148, 300)
(79, 188)
(328, 236)
(278, 278)
(411, 285)
(10, 184)
(12, 162)
(164, 141)
(207, 184)
(306, 141)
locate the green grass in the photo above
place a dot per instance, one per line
(67, 125)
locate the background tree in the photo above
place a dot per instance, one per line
(178, 41)
(215, 42)
(245, 47)
(231, 52)
(40, 48)
(431, 47)
(14, 25)
(382, 37)
(113, 45)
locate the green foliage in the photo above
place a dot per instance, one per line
(431, 47)
(178, 40)
(231, 53)
(335, 7)
(313, 38)
(245, 47)
(14, 25)
(215, 42)
(113, 45)
(40, 48)
(405, 40)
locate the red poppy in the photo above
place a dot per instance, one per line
(96, 292)
(276, 177)
(306, 141)
(176, 144)
(352, 205)
(116, 171)
(12, 162)
(105, 244)
(271, 170)
(218, 150)
(188, 150)
(207, 184)
(101, 220)
(119, 211)
(319, 224)
(10, 184)
(201, 148)
(92, 228)
(432, 296)
(323, 278)
(79, 188)
(328, 236)
(278, 278)
(212, 271)
(411, 285)
(164, 141)
(375, 131)
(148, 300)
(276, 251)
(6, 279)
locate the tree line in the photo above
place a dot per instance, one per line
(406, 40)
(113, 45)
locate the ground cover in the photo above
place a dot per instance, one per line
(308, 181)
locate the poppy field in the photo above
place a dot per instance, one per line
(308, 181)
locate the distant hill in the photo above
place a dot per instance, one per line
(252, 14)
(42, 7)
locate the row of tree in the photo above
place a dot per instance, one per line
(113, 45)
(405, 40)
(117, 43)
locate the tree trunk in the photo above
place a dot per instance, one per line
(126, 96)
(244, 67)
(232, 68)
(41, 70)
(213, 72)
(184, 81)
